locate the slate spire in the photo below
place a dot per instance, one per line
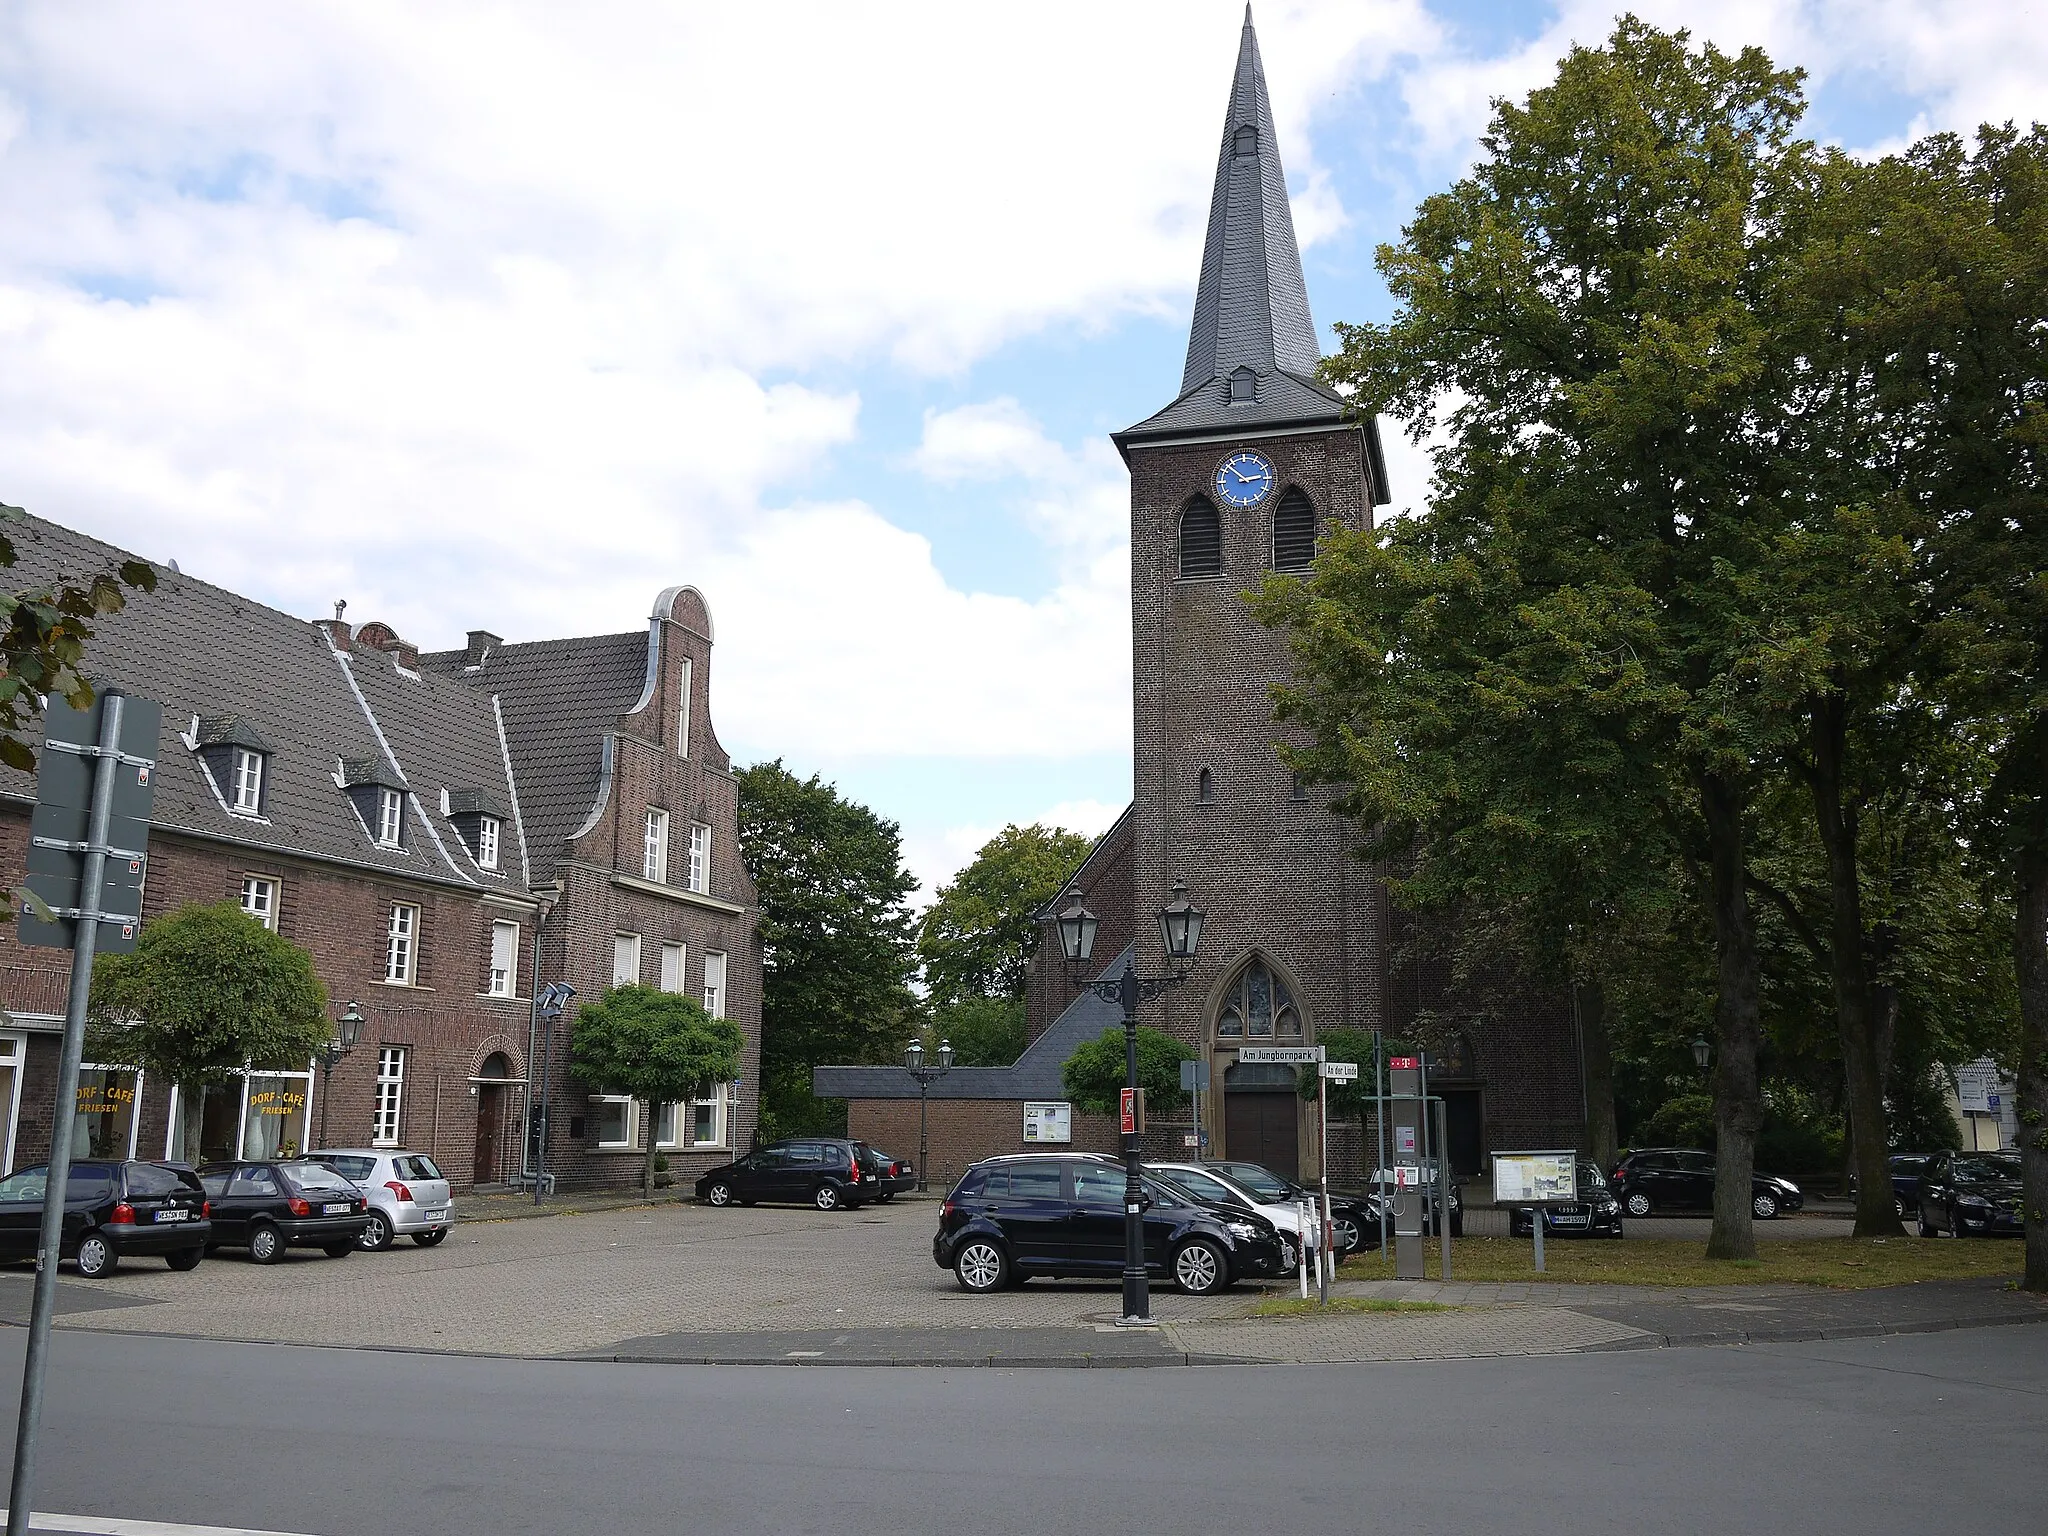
(1251, 308)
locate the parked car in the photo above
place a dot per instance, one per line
(1383, 1187)
(805, 1170)
(1669, 1179)
(111, 1211)
(1038, 1213)
(886, 1177)
(268, 1207)
(1354, 1217)
(1907, 1168)
(1596, 1213)
(1276, 1199)
(407, 1191)
(1972, 1194)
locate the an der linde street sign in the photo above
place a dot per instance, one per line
(1280, 1055)
(1341, 1071)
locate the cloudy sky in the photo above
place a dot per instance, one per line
(506, 316)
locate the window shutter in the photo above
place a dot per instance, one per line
(1201, 540)
(1294, 532)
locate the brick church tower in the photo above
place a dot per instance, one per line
(1238, 477)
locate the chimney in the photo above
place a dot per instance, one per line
(382, 637)
(481, 643)
(337, 627)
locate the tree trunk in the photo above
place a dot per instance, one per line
(192, 1105)
(1849, 962)
(653, 1133)
(1598, 1046)
(1738, 1022)
(2030, 953)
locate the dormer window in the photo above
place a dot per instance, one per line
(487, 829)
(248, 781)
(390, 818)
(479, 818)
(1245, 143)
(1244, 386)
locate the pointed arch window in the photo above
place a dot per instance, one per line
(1294, 532)
(1258, 1006)
(1201, 540)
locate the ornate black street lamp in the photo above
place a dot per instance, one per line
(926, 1074)
(548, 1003)
(1180, 930)
(1701, 1051)
(346, 1033)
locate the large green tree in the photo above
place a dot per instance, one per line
(836, 936)
(206, 992)
(1094, 1075)
(978, 934)
(983, 1031)
(654, 1046)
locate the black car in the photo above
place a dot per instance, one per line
(1046, 1214)
(1596, 1213)
(270, 1207)
(1667, 1179)
(827, 1172)
(1972, 1194)
(1354, 1218)
(1906, 1170)
(111, 1211)
(885, 1177)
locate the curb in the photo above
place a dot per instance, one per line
(1805, 1335)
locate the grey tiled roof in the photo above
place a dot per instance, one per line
(1036, 1074)
(207, 652)
(560, 698)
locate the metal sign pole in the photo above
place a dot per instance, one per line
(1536, 1226)
(50, 1245)
(1379, 1094)
(1444, 1174)
(1325, 1251)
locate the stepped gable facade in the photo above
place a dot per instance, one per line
(368, 803)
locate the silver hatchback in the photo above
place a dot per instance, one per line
(407, 1191)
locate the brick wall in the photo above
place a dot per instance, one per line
(1050, 984)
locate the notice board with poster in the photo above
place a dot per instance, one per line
(1535, 1178)
(1048, 1122)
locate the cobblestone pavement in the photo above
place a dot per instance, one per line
(579, 1282)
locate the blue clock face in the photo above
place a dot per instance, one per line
(1244, 480)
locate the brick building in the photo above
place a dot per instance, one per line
(430, 829)
(1238, 476)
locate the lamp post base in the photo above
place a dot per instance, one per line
(1137, 1322)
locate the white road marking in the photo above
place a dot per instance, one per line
(106, 1525)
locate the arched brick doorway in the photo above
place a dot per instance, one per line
(493, 1093)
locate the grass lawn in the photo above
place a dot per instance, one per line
(1845, 1263)
(1294, 1306)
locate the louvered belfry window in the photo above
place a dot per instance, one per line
(1201, 540)
(1294, 532)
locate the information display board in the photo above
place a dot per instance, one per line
(1535, 1178)
(1045, 1122)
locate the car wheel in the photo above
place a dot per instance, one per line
(981, 1266)
(826, 1197)
(1764, 1204)
(1956, 1226)
(96, 1256)
(338, 1250)
(1898, 1208)
(185, 1258)
(266, 1243)
(1637, 1204)
(377, 1236)
(429, 1239)
(885, 1199)
(1345, 1230)
(1925, 1227)
(719, 1193)
(1198, 1268)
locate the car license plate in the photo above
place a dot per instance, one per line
(172, 1215)
(333, 1209)
(438, 1213)
(1568, 1221)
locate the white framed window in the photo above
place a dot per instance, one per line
(654, 846)
(683, 712)
(700, 857)
(390, 818)
(390, 1096)
(259, 899)
(612, 1120)
(625, 959)
(401, 943)
(714, 983)
(666, 1120)
(487, 830)
(248, 781)
(707, 1118)
(672, 957)
(504, 959)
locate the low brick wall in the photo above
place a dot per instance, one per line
(963, 1131)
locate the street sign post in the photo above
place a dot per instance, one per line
(88, 853)
(1194, 1081)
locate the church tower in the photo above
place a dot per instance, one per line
(1239, 476)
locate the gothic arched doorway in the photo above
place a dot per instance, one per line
(1261, 1107)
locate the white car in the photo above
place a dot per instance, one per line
(407, 1191)
(1207, 1184)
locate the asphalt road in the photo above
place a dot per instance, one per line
(1814, 1438)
